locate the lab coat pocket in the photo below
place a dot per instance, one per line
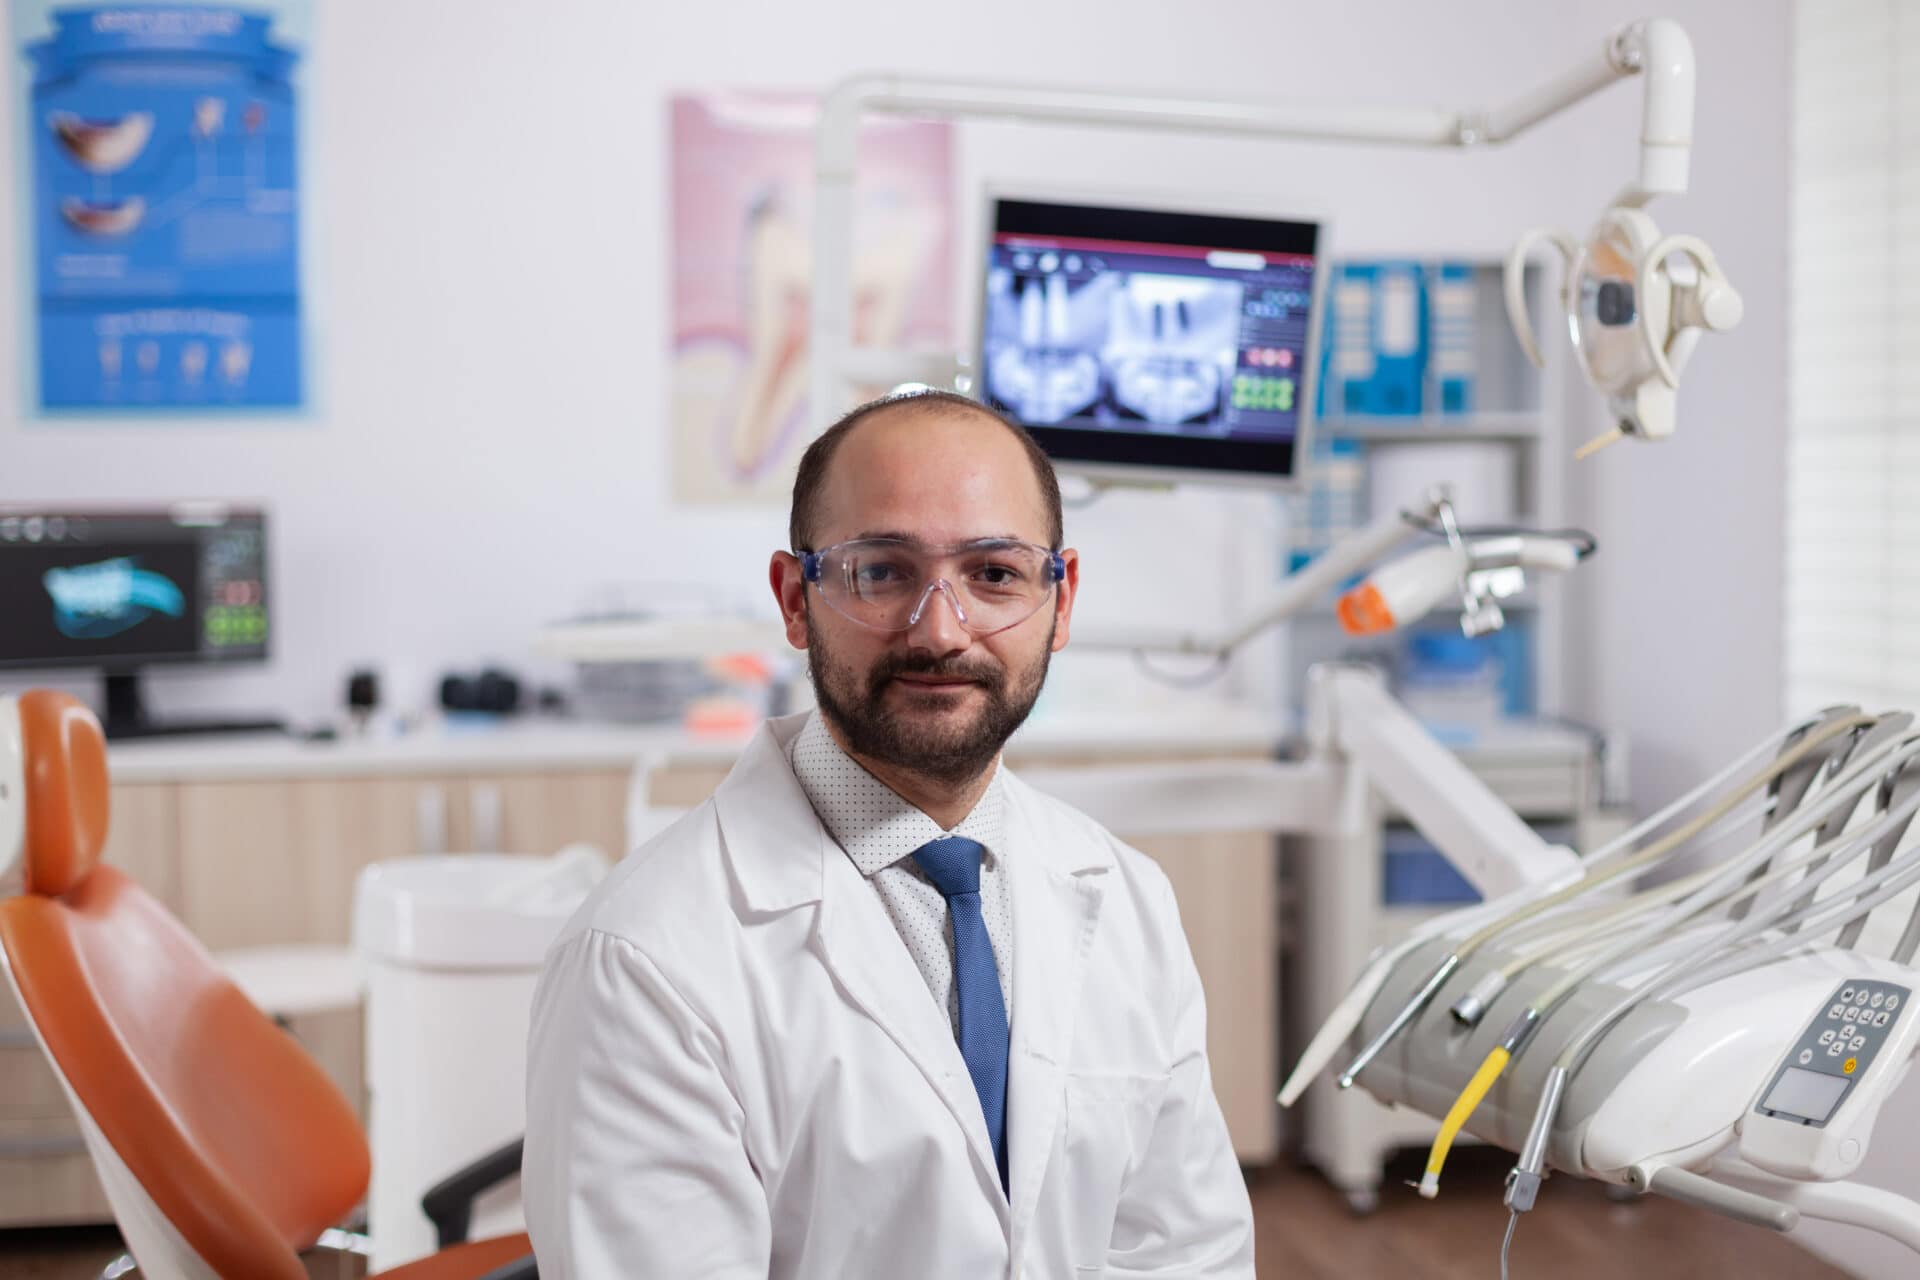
(1109, 1124)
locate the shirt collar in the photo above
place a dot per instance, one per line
(868, 819)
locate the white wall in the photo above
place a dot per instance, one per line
(487, 227)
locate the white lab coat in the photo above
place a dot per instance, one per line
(737, 1070)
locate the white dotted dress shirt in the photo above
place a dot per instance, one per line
(880, 831)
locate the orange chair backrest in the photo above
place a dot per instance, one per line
(65, 761)
(233, 1131)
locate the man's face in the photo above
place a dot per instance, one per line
(934, 699)
(943, 717)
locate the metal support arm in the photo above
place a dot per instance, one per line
(1854, 1203)
(1351, 718)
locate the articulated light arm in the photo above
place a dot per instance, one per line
(1657, 49)
(1297, 592)
(1471, 571)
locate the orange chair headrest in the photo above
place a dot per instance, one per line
(53, 792)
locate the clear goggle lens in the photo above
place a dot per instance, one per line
(888, 584)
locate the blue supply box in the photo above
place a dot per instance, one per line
(164, 210)
(1413, 873)
(1434, 649)
(1399, 341)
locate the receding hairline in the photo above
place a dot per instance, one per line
(926, 406)
(950, 406)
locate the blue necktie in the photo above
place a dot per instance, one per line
(953, 864)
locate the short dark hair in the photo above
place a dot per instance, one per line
(812, 475)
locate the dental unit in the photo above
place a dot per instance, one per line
(1718, 1037)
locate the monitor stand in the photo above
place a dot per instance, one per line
(127, 716)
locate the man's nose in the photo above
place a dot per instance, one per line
(938, 624)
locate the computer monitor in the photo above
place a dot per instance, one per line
(1142, 344)
(119, 590)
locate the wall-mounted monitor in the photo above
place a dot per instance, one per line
(1144, 344)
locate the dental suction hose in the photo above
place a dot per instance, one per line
(1496, 1061)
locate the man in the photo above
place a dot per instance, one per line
(877, 1008)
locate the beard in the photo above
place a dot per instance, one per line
(944, 752)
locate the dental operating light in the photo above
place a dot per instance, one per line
(1635, 303)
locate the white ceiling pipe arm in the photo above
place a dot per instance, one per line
(1656, 49)
(1049, 104)
(1666, 114)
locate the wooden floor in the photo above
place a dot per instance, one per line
(1306, 1233)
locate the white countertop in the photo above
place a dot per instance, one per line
(559, 745)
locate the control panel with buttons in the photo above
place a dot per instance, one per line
(1814, 1115)
(1835, 1050)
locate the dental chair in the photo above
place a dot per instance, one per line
(223, 1148)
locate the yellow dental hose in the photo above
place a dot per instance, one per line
(1456, 1120)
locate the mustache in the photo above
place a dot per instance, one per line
(922, 664)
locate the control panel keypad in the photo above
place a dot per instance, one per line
(1839, 1043)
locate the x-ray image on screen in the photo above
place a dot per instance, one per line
(1170, 349)
(1048, 369)
(1137, 338)
(1112, 348)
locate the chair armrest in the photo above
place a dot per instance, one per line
(448, 1204)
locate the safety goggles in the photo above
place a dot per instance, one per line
(886, 584)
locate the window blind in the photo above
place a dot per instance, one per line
(1853, 338)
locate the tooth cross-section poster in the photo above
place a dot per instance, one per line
(163, 205)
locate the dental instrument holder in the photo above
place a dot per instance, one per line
(1428, 1065)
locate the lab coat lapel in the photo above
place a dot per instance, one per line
(864, 950)
(1054, 870)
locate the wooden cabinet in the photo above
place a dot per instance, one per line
(271, 862)
(274, 862)
(539, 812)
(1228, 888)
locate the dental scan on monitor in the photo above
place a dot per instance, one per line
(1133, 341)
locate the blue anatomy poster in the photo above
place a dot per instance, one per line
(164, 207)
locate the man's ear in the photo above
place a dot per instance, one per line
(1063, 597)
(789, 584)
